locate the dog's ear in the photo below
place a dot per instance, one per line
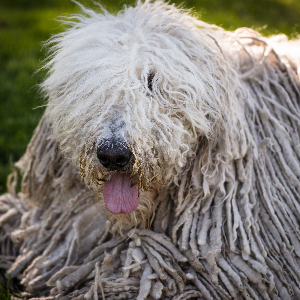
(208, 171)
(213, 197)
(223, 156)
(48, 175)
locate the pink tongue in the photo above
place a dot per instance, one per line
(119, 197)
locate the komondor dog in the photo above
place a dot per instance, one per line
(166, 165)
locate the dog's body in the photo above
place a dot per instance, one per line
(190, 137)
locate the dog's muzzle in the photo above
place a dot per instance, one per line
(113, 154)
(119, 193)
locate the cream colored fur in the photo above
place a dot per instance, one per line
(216, 146)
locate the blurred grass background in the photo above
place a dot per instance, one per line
(24, 24)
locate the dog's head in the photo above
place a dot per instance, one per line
(132, 96)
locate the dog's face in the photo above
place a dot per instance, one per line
(129, 98)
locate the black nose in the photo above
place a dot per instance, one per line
(113, 154)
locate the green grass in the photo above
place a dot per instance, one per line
(6, 293)
(25, 24)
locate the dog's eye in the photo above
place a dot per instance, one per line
(150, 81)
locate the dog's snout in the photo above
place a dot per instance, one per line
(113, 154)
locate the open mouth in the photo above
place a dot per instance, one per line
(120, 196)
